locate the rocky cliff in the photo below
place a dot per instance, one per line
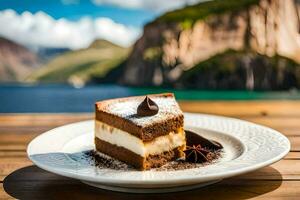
(16, 61)
(264, 34)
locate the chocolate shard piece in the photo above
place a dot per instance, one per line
(195, 139)
(200, 149)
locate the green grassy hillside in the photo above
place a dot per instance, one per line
(202, 10)
(82, 65)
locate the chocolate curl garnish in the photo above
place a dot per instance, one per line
(147, 108)
(197, 154)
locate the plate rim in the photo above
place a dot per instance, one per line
(196, 179)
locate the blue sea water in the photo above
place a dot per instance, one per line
(65, 98)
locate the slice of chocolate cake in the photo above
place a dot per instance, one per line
(143, 131)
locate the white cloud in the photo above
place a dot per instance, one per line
(155, 5)
(41, 30)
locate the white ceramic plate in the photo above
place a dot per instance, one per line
(247, 147)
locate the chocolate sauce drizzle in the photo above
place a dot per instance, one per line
(147, 108)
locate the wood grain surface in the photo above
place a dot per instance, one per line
(20, 179)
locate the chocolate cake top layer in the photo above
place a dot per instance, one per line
(122, 114)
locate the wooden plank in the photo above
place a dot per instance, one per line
(38, 125)
(289, 132)
(293, 155)
(9, 146)
(284, 169)
(39, 119)
(40, 129)
(16, 130)
(10, 164)
(34, 183)
(24, 129)
(3, 194)
(77, 190)
(295, 145)
(4, 117)
(17, 138)
(276, 122)
(287, 169)
(243, 108)
(13, 147)
(8, 154)
(20, 139)
(229, 108)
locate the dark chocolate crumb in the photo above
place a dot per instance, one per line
(182, 164)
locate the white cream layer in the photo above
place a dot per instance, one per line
(123, 139)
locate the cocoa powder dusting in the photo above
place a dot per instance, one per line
(103, 162)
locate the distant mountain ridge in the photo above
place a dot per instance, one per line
(81, 66)
(16, 61)
(265, 32)
(58, 65)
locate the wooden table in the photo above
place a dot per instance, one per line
(20, 179)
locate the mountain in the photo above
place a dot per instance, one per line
(81, 66)
(256, 42)
(242, 70)
(47, 53)
(16, 61)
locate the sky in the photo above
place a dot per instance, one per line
(75, 24)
